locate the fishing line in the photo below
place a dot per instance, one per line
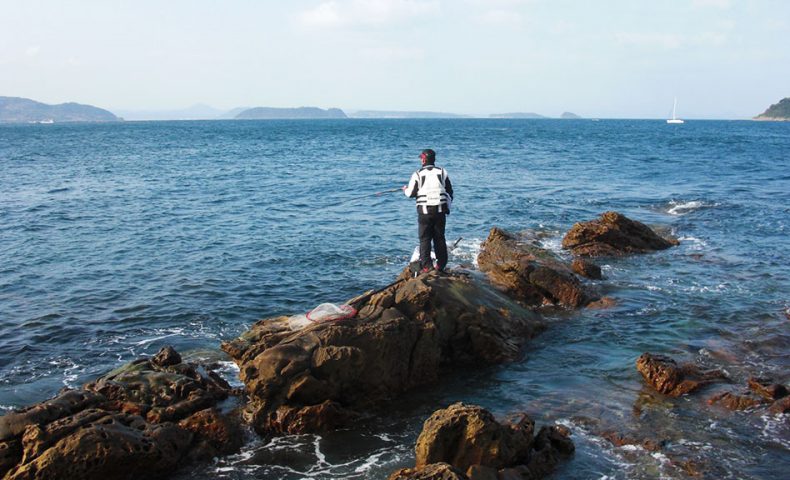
(360, 197)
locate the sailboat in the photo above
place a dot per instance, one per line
(674, 119)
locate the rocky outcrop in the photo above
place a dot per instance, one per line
(403, 337)
(667, 377)
(532, 275)
(122, 426)
(467, 438)
(613, 234)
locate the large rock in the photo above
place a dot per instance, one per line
(467, 438)
(667, 377)
(403, 337)
(613, 234)
(532, 275)
(122, 425)
(466, 435)
(162, 388)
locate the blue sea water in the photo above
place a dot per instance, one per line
(118, 239)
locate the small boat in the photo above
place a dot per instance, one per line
(674, 118)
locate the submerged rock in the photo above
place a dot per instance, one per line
(780, 406)
(734, 401)
(613, 234)
(467, 438)
(122, 425)
(763, 393)
(403, 337)
(532, 275)
(667, 377)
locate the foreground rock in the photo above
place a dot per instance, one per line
(142, 420)
(531, 274)
(403, 337)
(613, 234)
(667, 377)
(465, 441)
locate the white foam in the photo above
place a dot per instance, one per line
(148, 341)
(775, 429)
(694, 243)
(553, 244)
(467, 250)
(682, 208)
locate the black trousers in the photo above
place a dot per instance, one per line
(431, 228)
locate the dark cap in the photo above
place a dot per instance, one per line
(428, 155)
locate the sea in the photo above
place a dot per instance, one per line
(118, 239)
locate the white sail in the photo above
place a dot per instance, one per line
(674, 118)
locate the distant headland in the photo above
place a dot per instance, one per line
(517, 115)
(777, 112)
(402, 114)
(24, 110)
(270, 113)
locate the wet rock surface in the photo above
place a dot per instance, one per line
(467, 438)
(403, 337)
(529, 273)
(613, 234)
(122, 425)
(586, 268)
(734, 401)
(670, 378)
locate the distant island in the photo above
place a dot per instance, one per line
(777, 112)
(270, 113)
(401, 114)
(516, 115)
(24, 110)
(570, 116)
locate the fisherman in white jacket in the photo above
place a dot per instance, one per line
(431, 186)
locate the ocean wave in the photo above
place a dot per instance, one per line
(682, 208)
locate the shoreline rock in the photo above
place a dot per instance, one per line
(123, 425)
(529, 273)
(666, 376)
(466, 442)
(403, 337)
(613, 234)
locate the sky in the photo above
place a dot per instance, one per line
(607, 59)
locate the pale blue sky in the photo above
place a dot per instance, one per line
(621, 58)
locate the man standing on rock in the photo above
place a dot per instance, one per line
(431, 186)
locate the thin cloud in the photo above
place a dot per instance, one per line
(723, 4)
(336, 13)
(671, 41)
(392, 53)
(659, 40)
(501, 17)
